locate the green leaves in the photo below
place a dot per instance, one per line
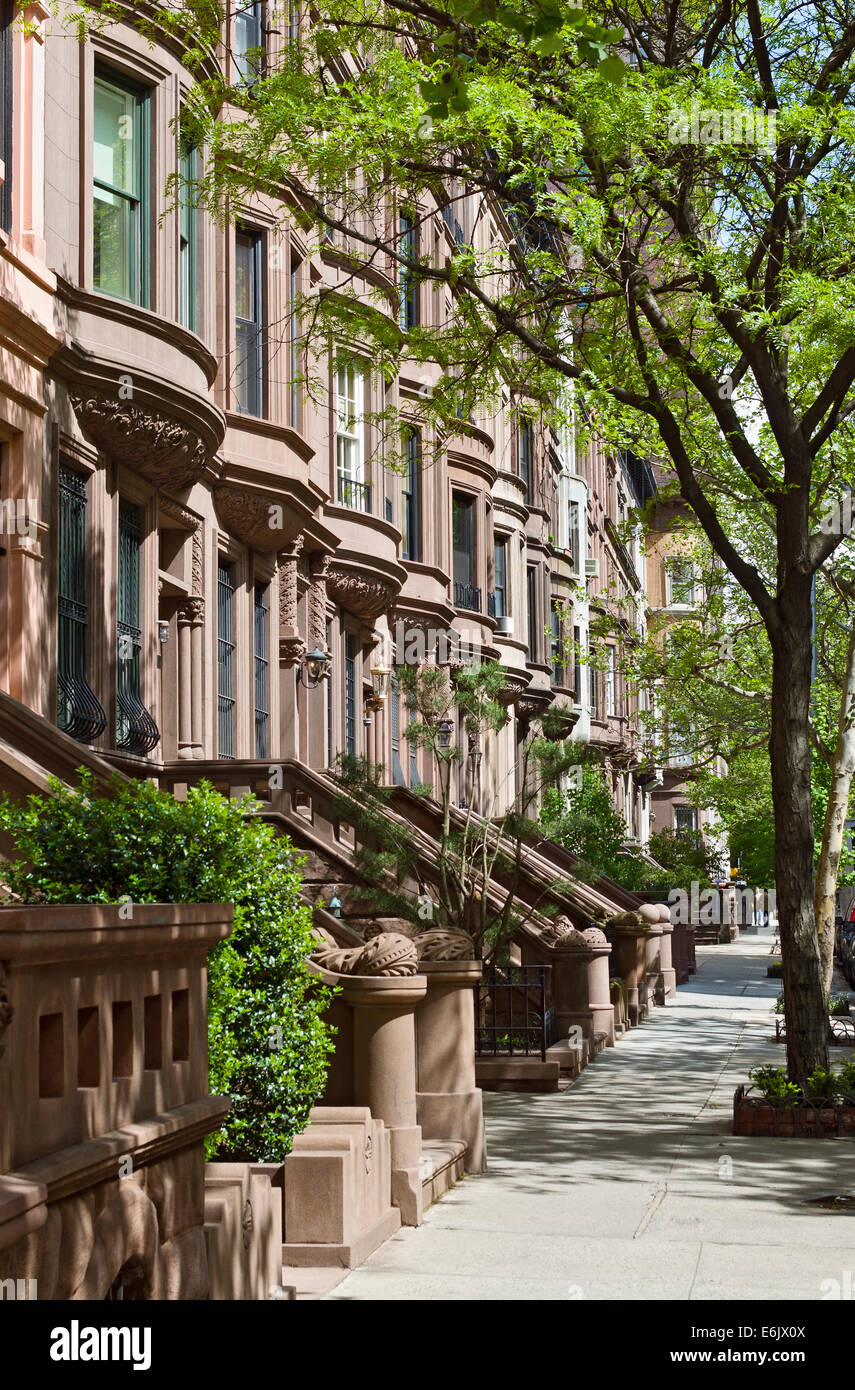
(140, 845)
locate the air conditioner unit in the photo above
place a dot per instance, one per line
(592, 568)
(505, 627)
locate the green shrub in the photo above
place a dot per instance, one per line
(822, 1084)
(268, 1044)
(838, 1005)
(773, 1084)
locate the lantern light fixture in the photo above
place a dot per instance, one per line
(381, 677)
(317, 665)
(445, 729)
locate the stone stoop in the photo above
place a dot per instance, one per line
(443, 1164)
(517, 1074)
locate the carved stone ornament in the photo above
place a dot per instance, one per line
(319, 573)
(192, 612)
(264, 522)
(165, 452)
(562, 933)
(360, 594)
(386, 954)
(442, 944)
(595, 937)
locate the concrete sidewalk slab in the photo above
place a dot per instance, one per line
(630, 1185)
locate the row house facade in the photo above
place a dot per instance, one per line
(207, 566)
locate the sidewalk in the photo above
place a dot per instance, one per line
(630, 1185)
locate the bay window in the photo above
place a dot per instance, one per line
(120, 165)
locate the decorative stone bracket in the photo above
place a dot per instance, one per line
(164, 451)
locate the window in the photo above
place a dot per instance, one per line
(410, 496)
(353, 490)
(248, 323)
(249, 42)
(408, 245)
(575, 537)
(500, 576)
(262, 671)
(7, 14)
(610, 680)
(680, 583)
(225, 661)
(466, 595)
(120, 168)
(350, 654)
(531, 596)
(294, 343)
(187, 238)
(136, 731)
(79, 713)
(594, 678)
(395, 706)
(577, 665)
(526, 445)
(685, 819)
(556, 644)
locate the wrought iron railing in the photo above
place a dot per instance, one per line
(354, 494)
(512, 1019)
(491, 603)
(467, 596)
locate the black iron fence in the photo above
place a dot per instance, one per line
(512, 1019)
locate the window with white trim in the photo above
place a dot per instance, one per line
(352, 488)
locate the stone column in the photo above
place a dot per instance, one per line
(185, 695)
(666, 965)
(630, 966)
(653, 962)
(384, 1074)
(191, 619)
(448, 1101)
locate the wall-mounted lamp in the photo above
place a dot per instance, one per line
(475, 751)
(317, 665)
(381, 676)
(445, 729)
(335, 903)
(163, 632)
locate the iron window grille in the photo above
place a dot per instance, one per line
(225, 661)
(410, 497)
(136, 731)
(248, 323)
(79, 712)
(262, 672)
(120, 248)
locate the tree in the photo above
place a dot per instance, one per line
(479, 861)
(268, 1044)
(696, 287)
(712, 675)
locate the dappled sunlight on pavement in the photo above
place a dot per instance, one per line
(630, 1185)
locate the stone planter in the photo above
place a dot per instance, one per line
(755, 1117)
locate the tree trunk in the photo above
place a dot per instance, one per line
(842, 770)
(790, 755)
